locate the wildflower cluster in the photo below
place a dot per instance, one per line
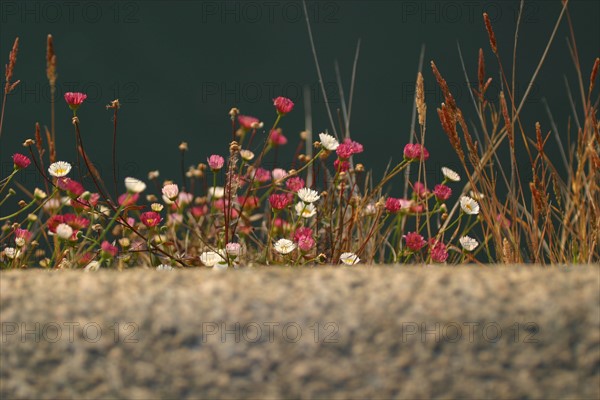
(229, 211)
(239, 207)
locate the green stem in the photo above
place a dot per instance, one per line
(268, 246)
(7, 180)
(18, 212)
(111, 223)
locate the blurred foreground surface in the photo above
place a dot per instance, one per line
(466, 332)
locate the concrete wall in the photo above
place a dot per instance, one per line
(408, 332)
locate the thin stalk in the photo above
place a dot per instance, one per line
(322, 84)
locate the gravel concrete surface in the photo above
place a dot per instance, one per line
(335, 333)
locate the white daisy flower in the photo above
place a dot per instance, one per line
(164, 267)
(216, 192)
(469, 206)
(247, 155)
(468, 243)
(170, 191)
(308, 195)
(284, 246)
(328, 142)
(305, 210)
(220, 266)
(349, 258)
(134, 185)
(210, 258)
(11, 252)
(51, 204)
(20, 242)
(64, 231)
(450, 174)
(92, 266)
(59, 169)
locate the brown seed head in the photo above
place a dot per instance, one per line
(10, 68)
(50, 61)
(593, 76)
(420, 99)
(490, 30)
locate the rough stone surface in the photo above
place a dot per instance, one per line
(172, 334)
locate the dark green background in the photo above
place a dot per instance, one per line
(165, 59)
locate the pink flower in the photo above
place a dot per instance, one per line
(72, 220)
(344, 151)
(442, 192)
(128, 199)
(417, 208)
(278, 223)
(405, 204)
(302, 231)
(262, 175)
(305, 243)
(438, 251)
(199, 211)
(174, 218)
(420, 190)
(348, 148)
(233, 249)
(414, 152)
(54, 221)
(276, 138)
(414, 241)
(75, 222)
(279, 173)
(247, 122)
(23, 234)
(108, 250)
(215, 162)
(223, 204)
(279, 201)
(85, 259)
(82, 203)
(392, 205)
(283, 105)
(150, 219)
(504, 222)
(74, 100)
(20, 161)
(185, 198)
(295, 183)
(342, 166)
(74, 188)
(249, 202)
